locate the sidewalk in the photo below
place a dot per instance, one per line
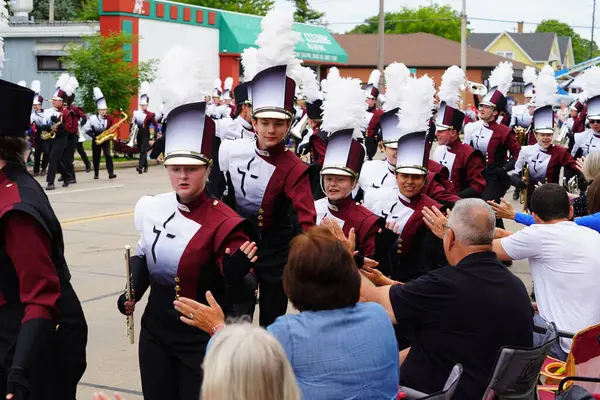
(80, 166)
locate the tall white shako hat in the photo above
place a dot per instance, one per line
(36, 86)
(545, 97)
(415, 112)
(60, 93)
(590, 83)
(344, 119)
(396, 75)
(70, 89)
(100, 100)
(500, 82)
(448, 115)
(144, 98)
(22, 84)
(275, 68)
(372, 88)
(189, 131)
(529, 79)
(217, 88)
(312, 94)
(227, 87)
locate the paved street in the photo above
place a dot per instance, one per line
(97, 219)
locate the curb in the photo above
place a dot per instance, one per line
(80, 166)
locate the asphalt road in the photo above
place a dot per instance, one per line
(97, 220)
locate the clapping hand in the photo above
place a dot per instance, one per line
(435, 220)
(503, 210)
(199, 315)
(336, 230)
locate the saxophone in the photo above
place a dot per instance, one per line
(525, 192)
(111, 133)
(521, 135)
(47, 135)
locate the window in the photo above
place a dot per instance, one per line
(506, 54)
(50, 63)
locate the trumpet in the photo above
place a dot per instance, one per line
(477, 88)
(130, 328)
(523, 197)
(563, 136)
(47, 135)
(111, 133)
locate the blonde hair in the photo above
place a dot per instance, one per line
(245, 362)
(591, 166)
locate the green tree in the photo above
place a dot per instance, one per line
(89, 11)
(581, 46)
(435, 19)
(101, 61)
(64, 10)
(304, 13)
(257, 7)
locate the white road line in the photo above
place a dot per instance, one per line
(68, 191)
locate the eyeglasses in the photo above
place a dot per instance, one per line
(594, 121)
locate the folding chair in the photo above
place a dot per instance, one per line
(445, 394)
(517, 369)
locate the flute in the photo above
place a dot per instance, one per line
(130, 329)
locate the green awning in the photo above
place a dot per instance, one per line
(239, 31)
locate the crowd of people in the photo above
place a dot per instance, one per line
(397, 267)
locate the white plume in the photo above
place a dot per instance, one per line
(181, 78)
(22, 83)
(3, 23)
(344, 105)
(452, 80)
(276, 43)
(217, 84)
(590, 83)
(310, 86)
(228, 84)
(333, 73)
(416, 105)
(144, 88)
(502, 76)
(249, 63)
(396, 75)
(62, 80)
(71, 86)
(374, 77)
(529, 75)
(36, 86)
(545, 88)
(98, 93)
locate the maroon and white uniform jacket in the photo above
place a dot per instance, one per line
(544, 165)
(265, 186)
(438, 185)
(350, 214)
(493, 140)
(466, 166)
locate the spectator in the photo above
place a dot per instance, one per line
(463, 313)
(564, 263)
(339, 348)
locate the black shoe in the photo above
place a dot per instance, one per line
(96, 177)
(72, 181)
(139, 170)
(50, 186)
(65, 184)
(36, 174)
(145, 170)
(112, 176)
(88, 169)
(60, 178)
(516, 194)
(43, 173)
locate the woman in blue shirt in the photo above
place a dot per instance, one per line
(339, 348)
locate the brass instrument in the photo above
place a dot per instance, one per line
(299, 127)
(305, 156)
(111, 133)
(130, 328)
(563, 136)
(522, 135)
(478, 89)
(572, 185)
(133, 134)
(523, 197)
(47, 135)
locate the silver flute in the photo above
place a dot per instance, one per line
(130, 330)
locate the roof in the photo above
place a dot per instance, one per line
(416, 50)
(57, 29)
(537, 45)
(481, 40)
(563, 45)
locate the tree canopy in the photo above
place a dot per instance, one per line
(102, 62)
(439, 20)
(581, 46)
(304, 13)
(257, 7)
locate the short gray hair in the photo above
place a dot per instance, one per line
(473, 222)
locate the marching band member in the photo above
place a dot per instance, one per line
(343, 162)
(492, 139)
(543, 160)
(589, 141)
(43, 330)
(40, 156)
(522, 115)
(60, 118)
(464, 163)
(97, 124)
(578, 112)
(144, 119)
(410, 247)
(241, 127)
(77, 115)
(372, 93)
(80, 119)
(229, 108)
(265, 180)
(215, 99)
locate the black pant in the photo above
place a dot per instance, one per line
(96, 153)
(57, 150)
(371, 146)
(164, 375)
(69, 155)
(143, 142)
(83, 154)
(494, 190)
(272, 301)
(40, 156)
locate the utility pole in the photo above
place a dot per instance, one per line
(380, 39)
(593, 23)
(51, 11)
(463, 45)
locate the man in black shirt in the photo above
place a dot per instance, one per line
(462, 313)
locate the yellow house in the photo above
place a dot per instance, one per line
(536, 49)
